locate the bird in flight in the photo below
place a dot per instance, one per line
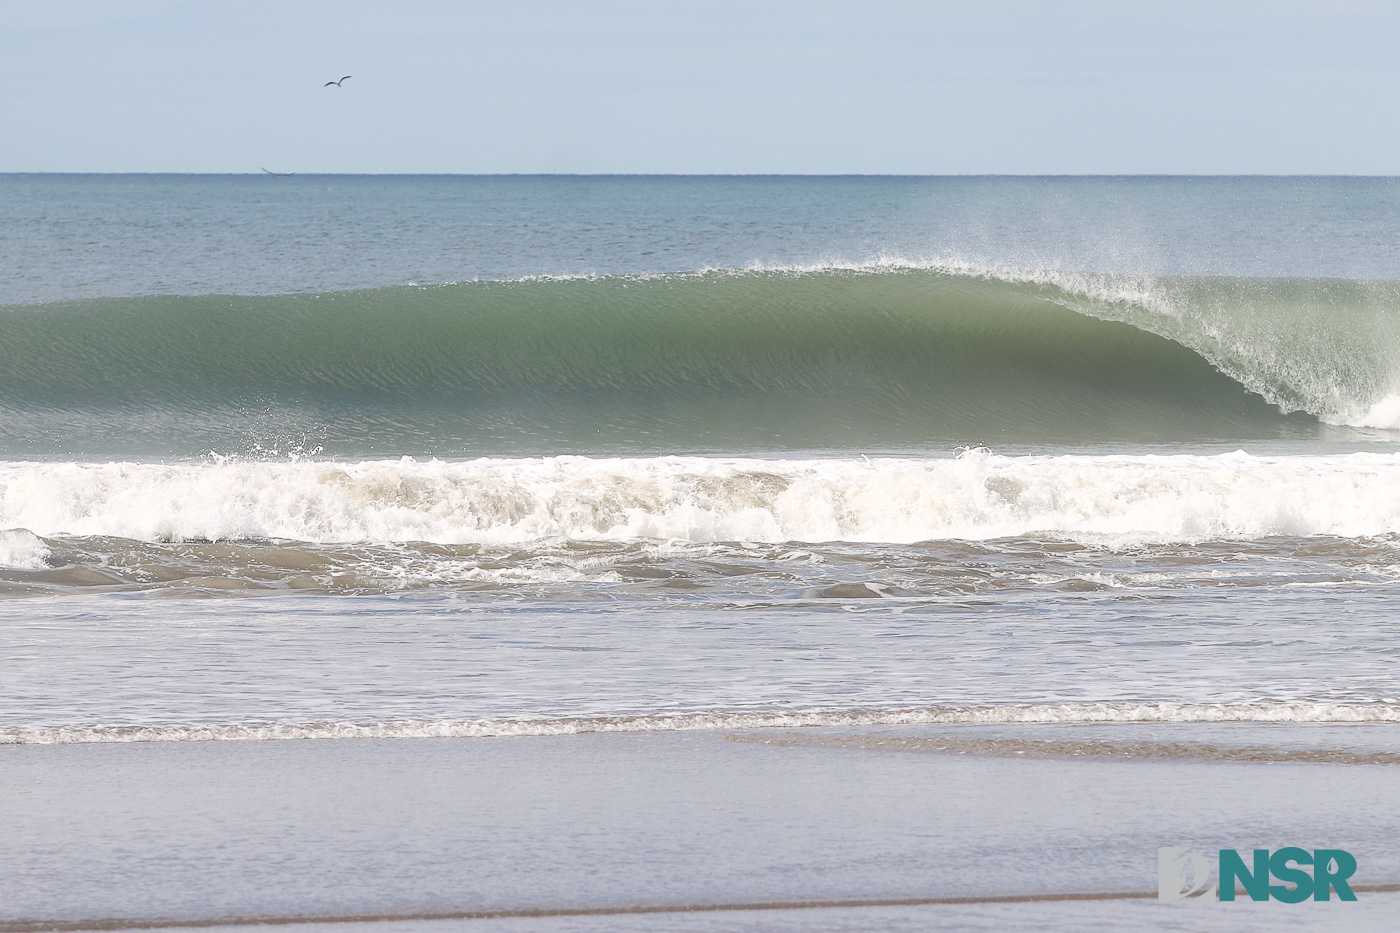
(336, 83)
(277, 174)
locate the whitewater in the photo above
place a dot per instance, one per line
(490, 455)
(547, 551)
(974, 495)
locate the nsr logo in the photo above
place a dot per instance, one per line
(1182, 875)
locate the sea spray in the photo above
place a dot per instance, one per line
(885, 357)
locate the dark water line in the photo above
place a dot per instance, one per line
(157, 923)
(1074, 749)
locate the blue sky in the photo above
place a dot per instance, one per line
(882, 86)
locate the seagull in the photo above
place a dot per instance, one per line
(277, 174)
(336, 83)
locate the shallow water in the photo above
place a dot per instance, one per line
(546, 492)
(614, 823)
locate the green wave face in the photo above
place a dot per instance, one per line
(883, 359)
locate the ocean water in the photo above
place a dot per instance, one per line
(489, 458)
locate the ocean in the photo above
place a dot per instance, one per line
(684, 552)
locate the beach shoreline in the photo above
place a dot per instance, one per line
(605, 825)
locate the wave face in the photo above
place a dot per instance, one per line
(873, 358)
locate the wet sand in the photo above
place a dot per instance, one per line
(895, 828)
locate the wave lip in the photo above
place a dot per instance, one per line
(974, 496)
(1296, 712)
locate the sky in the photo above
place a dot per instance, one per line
(707, 86)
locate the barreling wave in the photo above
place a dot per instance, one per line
(1296, 712)
(880, 357)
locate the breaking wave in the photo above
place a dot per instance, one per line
(874, 357)
(974, 496)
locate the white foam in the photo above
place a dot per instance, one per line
(1383, 414)
(1313, 712)
(1109, 500)
(22, 550)
(1143, 290)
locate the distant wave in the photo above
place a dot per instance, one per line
(1321, 712)
(878, 356)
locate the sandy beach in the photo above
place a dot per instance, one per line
(892, 828)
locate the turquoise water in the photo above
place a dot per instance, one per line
(358, 458)
(178, 316)
(558, 389)
(735, 362)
